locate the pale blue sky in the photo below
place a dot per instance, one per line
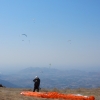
(65, 33)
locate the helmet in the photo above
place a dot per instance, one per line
(36, 76)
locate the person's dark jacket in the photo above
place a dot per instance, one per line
(36, 82)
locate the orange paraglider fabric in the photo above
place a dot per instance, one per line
(56, 95)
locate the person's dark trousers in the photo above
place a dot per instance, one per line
(36, 89)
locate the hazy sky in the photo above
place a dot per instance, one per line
(63, 33)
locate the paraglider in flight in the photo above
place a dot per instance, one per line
(50, 64)
(68, 40)
(24, 35)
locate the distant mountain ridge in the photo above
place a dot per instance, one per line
(54, 78)
(8, 84)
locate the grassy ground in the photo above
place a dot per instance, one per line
(14, 93)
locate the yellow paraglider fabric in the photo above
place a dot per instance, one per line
(56, 95)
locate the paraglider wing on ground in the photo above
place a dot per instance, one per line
(56, 95)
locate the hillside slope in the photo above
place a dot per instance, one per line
(14, 93)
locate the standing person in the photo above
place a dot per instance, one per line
(36, 84)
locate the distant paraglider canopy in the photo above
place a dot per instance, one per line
(24, 35)
(50, 64)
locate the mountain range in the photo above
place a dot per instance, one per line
(51, 78)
